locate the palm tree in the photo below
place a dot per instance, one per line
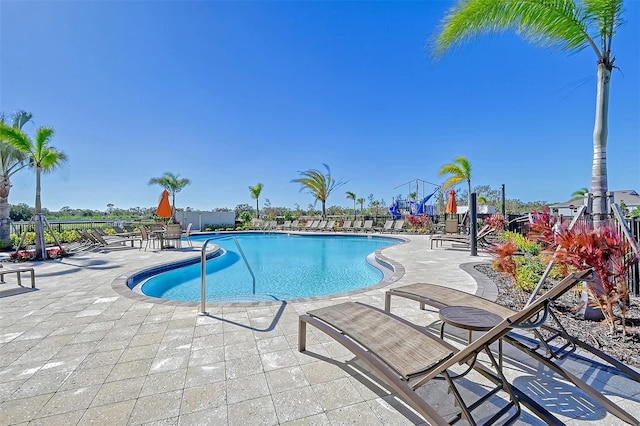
(12, 160)
(579, 194)
(459, 171)
(571, 25)
(172, 183)
(43, 159)
(352, 196)
(319, 185)
(255, 194)
(361, 202)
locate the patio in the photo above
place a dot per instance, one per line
(76, 351)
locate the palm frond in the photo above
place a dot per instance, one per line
(548, 23)
(16, 138)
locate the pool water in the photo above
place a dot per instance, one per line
(285, 267)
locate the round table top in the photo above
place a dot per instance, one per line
(469, 318)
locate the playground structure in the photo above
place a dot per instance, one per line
(410, 205)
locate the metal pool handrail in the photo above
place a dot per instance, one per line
(203, 270)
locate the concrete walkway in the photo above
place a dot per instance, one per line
(79, 351)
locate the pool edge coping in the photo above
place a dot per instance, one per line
(120, 285)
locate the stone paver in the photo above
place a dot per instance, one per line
(79, 351)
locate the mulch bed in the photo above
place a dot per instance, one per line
(597, 334)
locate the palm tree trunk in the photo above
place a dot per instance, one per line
(599, 185)
(38, 201)
(257, 208)
(5, 218)
(173, 207)
(324, 211)
(41, 247)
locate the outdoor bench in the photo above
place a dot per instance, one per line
(18, 273)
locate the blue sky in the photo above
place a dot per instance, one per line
(229, 94)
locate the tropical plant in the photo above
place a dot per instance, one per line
(605, 250)
(12, 160)
(579, 194)
(319, 185)
(255, 194)
(43, 159)
(361, 202)
(571, 25)
(172, 183)
(352, 196)
(521, 242)
(497, 222)
(418, 223)
(458, 171)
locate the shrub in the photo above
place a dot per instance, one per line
(418, 223)
(523, 244)
(504, 258)
(497, 222)
(529, 269)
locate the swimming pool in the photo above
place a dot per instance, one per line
(286, 266)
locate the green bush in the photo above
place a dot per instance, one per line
(69, 236)
(528, 272)
(523, 244)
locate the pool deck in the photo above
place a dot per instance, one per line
(78, 351)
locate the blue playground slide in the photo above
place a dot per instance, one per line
(394, 210)
(415, 209)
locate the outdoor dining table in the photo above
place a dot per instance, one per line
(157, 234)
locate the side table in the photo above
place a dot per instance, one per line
(472, 319)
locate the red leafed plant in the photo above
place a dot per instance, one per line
(605, 251)
(418, 223)
(27, 255)
(542, 227)
(497, 222)
(503, 260)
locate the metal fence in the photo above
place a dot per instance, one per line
(68, 225)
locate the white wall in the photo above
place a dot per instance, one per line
(199, 219)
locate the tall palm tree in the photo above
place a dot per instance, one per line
(459, 171)
(172, 183)
(319, 185)
(255, 194)
(43, 159)
(12, 160)
(361, 202)
(579, 194)
(352, 196)
(571, 25)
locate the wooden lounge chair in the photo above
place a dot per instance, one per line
(295, 225)
(329, 226)
(406, 357)
(398, 226)
(368, 226)
(312, 225)
(111, 240)
(388, 225)
(357, 226)
(285, 225)
(464, 240)
(321, 225)
(543, 352)
(346, 226)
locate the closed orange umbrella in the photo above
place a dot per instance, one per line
(452, 205)
(164, 208)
